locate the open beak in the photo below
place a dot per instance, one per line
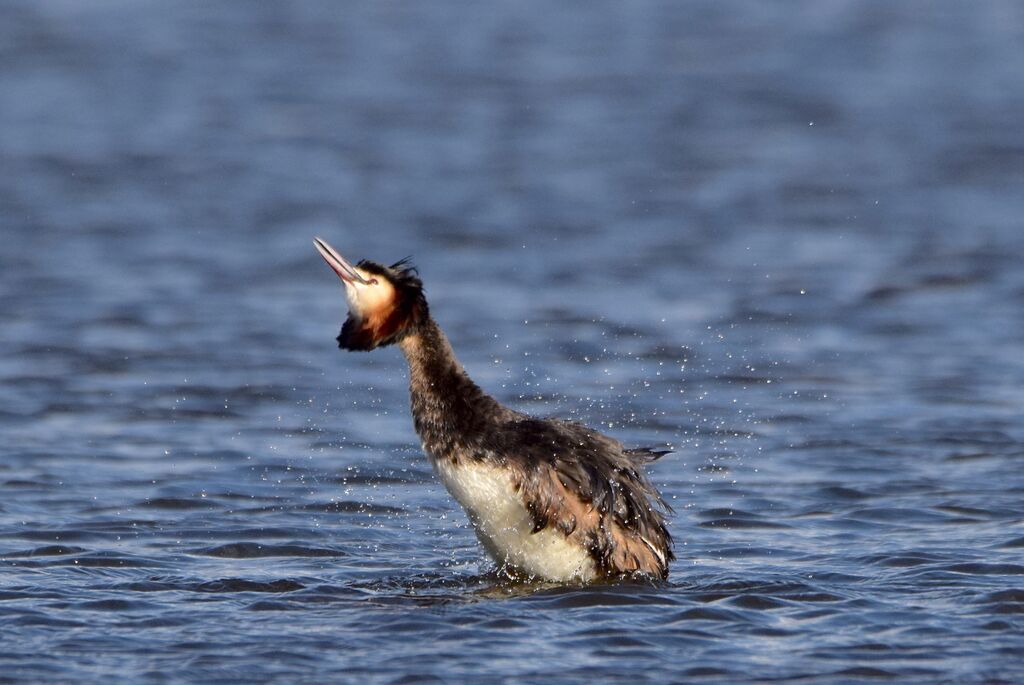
(346, 272)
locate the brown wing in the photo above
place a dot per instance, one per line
(590, 488)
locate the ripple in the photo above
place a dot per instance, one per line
(757, 602)
(612, 596)
(1015, 543)
(177, 503)
(1015, 595)
(231, 585)
(264, 605)
(865, 672)
(234, 533)
(350, 507)
(903, 560)
(372, 476)
(39, 619)
(46, 551)
(706, 672)
(255, 550)
(116, 605)
(977, 568)
(841, 492)
(742, 523)
(1006, 602)
(90, 560)
(998, 626)
(897, 515)
(716, 614)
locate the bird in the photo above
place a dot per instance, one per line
(550, 500)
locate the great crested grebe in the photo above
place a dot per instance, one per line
(549, 499)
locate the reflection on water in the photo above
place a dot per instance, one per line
(786, 240)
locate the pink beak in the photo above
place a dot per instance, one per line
(346, 272)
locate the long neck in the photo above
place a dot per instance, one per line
(449, 409)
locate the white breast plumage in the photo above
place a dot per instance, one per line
(504, 525)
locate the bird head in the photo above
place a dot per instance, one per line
(385, 303)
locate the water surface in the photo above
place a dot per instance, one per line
(785, 239)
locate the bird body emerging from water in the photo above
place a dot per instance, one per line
(548, 499)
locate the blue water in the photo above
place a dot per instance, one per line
(785, 238)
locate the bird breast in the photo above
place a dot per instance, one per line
(505, 527)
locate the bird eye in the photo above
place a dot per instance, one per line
(373, 281)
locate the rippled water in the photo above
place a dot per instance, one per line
(786, 239)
